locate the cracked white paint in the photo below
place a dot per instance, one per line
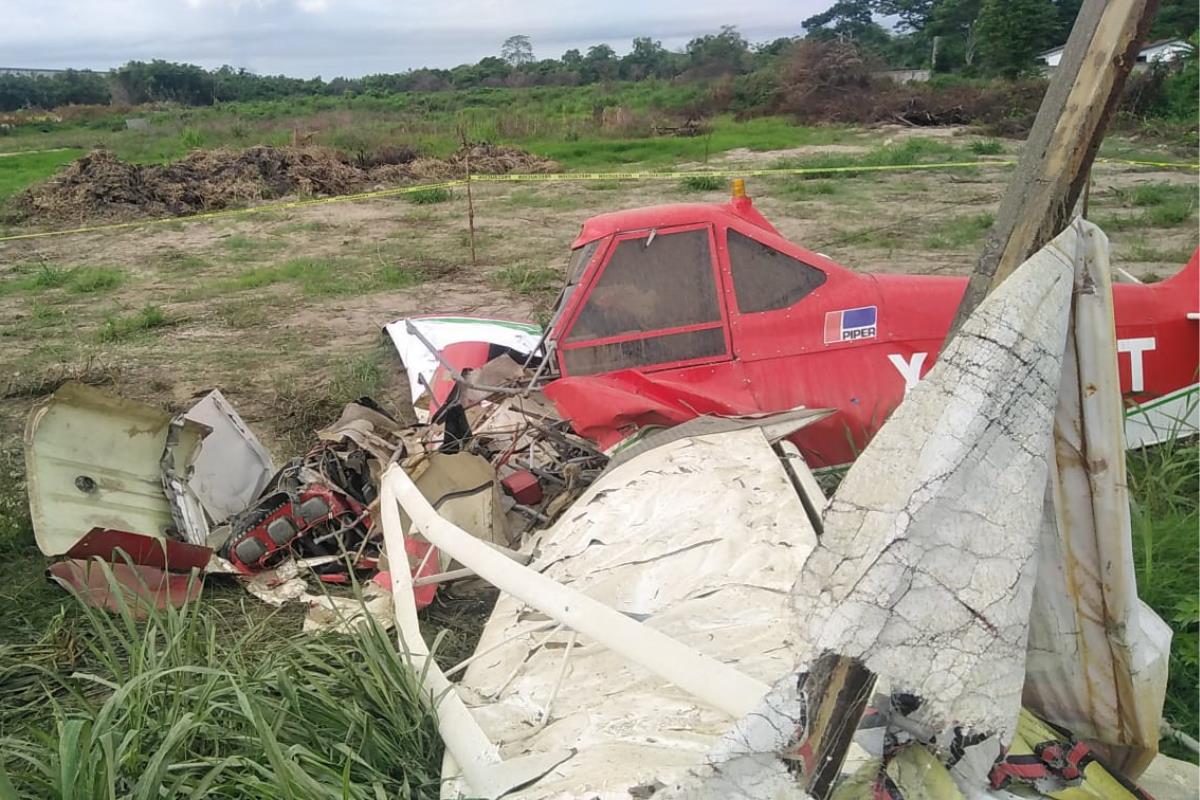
(925, 569)
(1097, 661)
(700, 539)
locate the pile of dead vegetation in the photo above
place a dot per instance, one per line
(100, 185)
(823, 82)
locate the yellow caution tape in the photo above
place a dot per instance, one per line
(554, 177)
(551, 177)
(1159, 164)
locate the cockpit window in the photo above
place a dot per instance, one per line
(580, 257)
(765, 279)
(652, 283)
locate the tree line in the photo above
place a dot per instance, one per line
(976, 37)
(972, 37)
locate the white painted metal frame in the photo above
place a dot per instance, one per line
(713, 682)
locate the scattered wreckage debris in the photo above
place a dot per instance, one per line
(130, 484)
(690, 617)
(100, 185)
(751, 639)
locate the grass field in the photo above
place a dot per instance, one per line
(282, 309)
(18, 170)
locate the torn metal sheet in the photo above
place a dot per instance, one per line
(179, 451)
(120, 586)
(144, 550)
(926, 565)
(93, 460)
(1097, 662)
(699, 539)
(444, 332)
(464, 489)
(232, 467)
(327, 613)
(373, 431)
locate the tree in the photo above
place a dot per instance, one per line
(1176, 19)
(647, 59)
(914, 14)
(517, 50)
(1012, 33)
(954, 21)
(723, 53)
(847, 21)
(600, 63)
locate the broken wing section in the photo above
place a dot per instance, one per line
(925, 569)
(699, 539)
(1097, 662)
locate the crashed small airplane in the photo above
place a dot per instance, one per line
(676, 311)
(959, 620)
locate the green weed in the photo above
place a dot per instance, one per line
(48, 277)
(1155, 194)
(426, 197)
(191, 138)
(302, 227)
(243, 248)
(986, 147)
(118, 328)
(604, 186)
(958, 233)
(797, 189)
(702, 183)
(329, 277)
(1143, 250)
(527, 280)
(1170, 213)
(88, 280)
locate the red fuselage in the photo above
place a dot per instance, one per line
(751, 323)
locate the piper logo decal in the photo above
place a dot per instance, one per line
(850, 324)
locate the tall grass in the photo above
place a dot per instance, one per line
(1164, 483)
(178, 706)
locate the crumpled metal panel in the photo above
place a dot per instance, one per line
(93, 460)
(926, 565)
(700, 539)
(232, 467)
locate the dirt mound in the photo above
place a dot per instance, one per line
(100, 185)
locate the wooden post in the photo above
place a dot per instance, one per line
(466, 148)
(470, 209)
(1058, 155)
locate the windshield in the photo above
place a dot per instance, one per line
(576, 267)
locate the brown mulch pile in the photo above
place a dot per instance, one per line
(102, 186)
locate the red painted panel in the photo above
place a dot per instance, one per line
(138, 588)
(147, 551)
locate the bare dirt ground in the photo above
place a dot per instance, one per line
(282, 310)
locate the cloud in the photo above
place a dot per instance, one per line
(357, 37)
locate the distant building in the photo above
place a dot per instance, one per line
(1164, 50)
(34, 72)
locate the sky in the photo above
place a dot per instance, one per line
(304, 38)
